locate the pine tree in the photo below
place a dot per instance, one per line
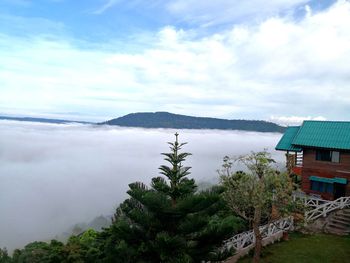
(169, 221)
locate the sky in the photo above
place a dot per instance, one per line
(92, 60)
(55, 176)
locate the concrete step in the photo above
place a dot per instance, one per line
(337, 231)
(337, 226)
(340, 221)
(343, 213)
(342, 217)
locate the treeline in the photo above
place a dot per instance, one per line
(168, 221)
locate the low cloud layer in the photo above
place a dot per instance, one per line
(53, 176)
(294, 120)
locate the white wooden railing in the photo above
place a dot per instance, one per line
(299, 159)
(245, 239)
(309, 201)
(319, 207)
(326, 208)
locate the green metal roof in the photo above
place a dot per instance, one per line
(285, 143)
(317, 134)
(323, 134)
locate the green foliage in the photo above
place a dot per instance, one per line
(36, 252)
(296, 179)
(4, 256)
(169, 221)
(83, 248)
(259, 195)
(261, 186)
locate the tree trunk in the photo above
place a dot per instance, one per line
(257, 234)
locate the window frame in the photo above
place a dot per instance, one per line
(321, 187)
(337, 154)
(327, 156)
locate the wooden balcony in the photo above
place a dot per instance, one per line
(295, 162)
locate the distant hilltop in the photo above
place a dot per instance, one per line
(177, 121)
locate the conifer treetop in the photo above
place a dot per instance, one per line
(176, 173)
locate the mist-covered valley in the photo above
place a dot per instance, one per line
(53, 176)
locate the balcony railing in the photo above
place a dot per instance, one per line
(295, 162)
(299, 159)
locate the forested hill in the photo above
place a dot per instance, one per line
(176, 121)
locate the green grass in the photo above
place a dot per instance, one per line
(318, 248)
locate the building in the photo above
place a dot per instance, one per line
(319, 151)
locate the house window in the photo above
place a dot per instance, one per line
(321, 187)
(328, 156)
(335, 157)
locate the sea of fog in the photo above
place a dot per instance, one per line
(53, 176)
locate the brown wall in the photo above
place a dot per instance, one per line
(324, 169)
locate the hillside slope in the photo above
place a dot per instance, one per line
(176, 121)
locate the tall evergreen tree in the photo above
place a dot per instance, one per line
(170, 221)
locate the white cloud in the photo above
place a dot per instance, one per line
(107, 5)
(293, 68)
(210, 13)
(294, 120)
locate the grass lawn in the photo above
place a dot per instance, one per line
(318, 248)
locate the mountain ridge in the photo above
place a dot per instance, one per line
(162, 119)
(41, 120)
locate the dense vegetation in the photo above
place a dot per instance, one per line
(170, 221)
(169, 120)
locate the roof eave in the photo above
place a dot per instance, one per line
(322, 147)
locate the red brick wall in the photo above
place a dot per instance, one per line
(324, 169)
